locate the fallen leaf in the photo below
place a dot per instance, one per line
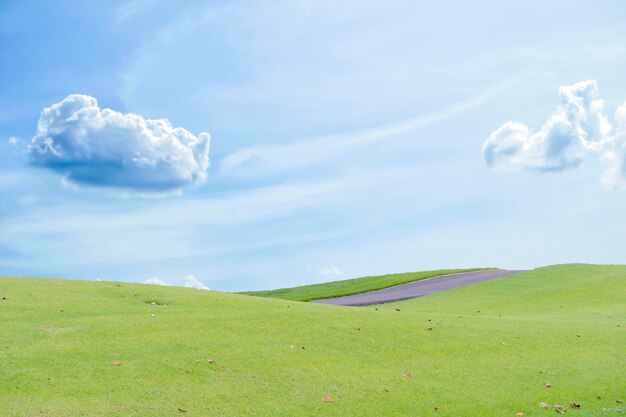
(437, 409)
(211, 361)
(408, 375)
(519, 414)
(559, 409)
(182, 410)
(574, 404)
(385, 389)
(292, 347)
(548, 385)
(503, 343)
(303, 348)
(544, 405)
(4, 298)
(286, 305)
(328, 399)
(117, 362)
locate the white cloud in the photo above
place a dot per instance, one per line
(156, 281)
(131, 8)
(615, 175)
(268, 159)
(331, 271)
(105, 148)
(190, 282)
(193, 282)
(13, 140)
(577, 126)
(577, 130)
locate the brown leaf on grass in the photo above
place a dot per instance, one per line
(286, 305)
(292, 347)
(544, 405)
(4, 298)
(548, 385)
(519, 414)
(117, 362)
(182, 410)
(385, 390)
(437, 409)
(303, 348)
(211, 361)
(328, 399)
(559, 409)
(574, 404)
(407, 375)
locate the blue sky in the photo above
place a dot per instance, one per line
(345, 139)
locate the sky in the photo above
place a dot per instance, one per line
(252, 145)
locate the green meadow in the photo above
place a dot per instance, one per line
(555, 335)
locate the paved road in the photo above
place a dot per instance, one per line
(416, 288)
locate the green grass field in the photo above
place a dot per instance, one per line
(352, 286)
(483, 350)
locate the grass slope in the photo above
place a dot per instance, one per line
(481, 350)
(351, 286)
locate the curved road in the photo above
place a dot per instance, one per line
(416, 288)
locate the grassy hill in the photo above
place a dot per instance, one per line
(352, 286)
(482, 350)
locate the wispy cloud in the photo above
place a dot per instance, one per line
(131, 8)
(267, 159)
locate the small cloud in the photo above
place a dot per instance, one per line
(156, 281)
(98, 147)
(193, 282)
(331, 271)
(13, 140)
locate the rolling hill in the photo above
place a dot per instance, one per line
(499, 348)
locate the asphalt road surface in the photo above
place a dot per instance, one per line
(416, 288)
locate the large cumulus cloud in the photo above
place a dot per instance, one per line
(101, 147)
(576, 127)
